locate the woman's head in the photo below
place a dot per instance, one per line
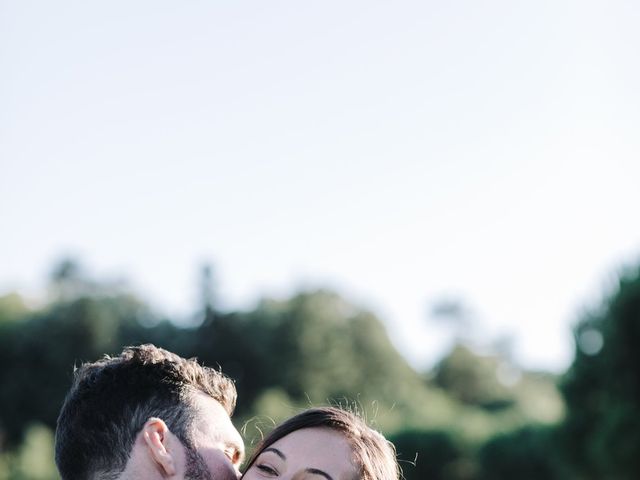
(328, 442)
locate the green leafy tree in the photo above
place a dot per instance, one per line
(313, 348)
(39, 350)
(525, 454)
(432, 455)
(473, 379)
(12, 308)
(601, 434)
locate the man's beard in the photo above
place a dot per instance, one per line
(196, 466)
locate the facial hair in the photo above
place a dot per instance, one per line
(196, 466)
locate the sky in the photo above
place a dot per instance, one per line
(400, 153)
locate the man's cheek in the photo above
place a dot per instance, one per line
(219, 464)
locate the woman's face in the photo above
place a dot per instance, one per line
(311, 453)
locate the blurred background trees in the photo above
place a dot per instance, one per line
(601, 432)
(473, 416)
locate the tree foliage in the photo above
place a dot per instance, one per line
(601, 434)
(473, 379)
(525, 454)
(432, 455)
(312, 348)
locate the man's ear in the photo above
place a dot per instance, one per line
(156, 435)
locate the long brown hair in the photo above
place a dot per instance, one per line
(375, 456)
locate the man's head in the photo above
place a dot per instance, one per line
(148, 413)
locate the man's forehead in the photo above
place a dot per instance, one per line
(213, 420)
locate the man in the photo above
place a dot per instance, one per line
(148, 414)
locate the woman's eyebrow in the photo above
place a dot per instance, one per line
(315, 471)
(277, 452)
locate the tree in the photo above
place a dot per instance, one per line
(432, 455)
(39, 350)
(314, 347)
(526, 454)
(473, 379)
(601, 434)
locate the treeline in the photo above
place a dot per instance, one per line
(473, 417)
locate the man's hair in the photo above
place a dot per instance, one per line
(111, 399)
(375, 456)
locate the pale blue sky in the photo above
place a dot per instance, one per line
(397, 151)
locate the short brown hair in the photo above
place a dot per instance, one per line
(375, 456)
(111, 399)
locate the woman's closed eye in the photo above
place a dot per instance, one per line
(267, 469)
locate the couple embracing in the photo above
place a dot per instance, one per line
(150, 414)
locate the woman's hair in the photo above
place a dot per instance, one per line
(374, 456)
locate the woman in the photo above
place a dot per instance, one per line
(324, 444)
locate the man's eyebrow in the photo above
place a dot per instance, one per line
(238, 448)
(277, 452)
(315, 471)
